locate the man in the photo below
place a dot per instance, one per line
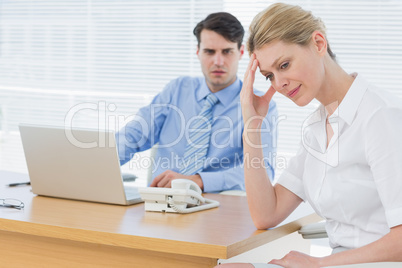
(170, 120)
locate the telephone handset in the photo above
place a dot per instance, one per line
(184, 197)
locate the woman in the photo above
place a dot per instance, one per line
(348, 166)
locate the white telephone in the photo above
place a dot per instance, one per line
(183, 197)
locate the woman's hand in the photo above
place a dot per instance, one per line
(296, 259)
(254, 108)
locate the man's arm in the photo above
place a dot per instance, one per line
(142, 131)
(165, 179)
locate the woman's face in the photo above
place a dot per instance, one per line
(295, 71)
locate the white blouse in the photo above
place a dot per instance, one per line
(355, 183)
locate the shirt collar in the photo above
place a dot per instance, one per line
(347, 109)
(225, 96)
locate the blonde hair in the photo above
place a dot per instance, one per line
(287, 23)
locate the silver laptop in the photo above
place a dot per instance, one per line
(79, 164)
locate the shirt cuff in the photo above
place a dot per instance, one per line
(394, 217)
(293, 184)
(212, 181)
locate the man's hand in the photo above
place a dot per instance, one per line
(165, 179)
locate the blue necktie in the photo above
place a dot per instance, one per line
(199, 138)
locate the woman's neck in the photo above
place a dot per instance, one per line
(335, 86)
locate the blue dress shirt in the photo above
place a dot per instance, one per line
(166, 121)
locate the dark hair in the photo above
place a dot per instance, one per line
(222, 23)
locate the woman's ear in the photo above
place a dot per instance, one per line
(241, 51)
(319, 42)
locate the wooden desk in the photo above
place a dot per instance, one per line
(51, 232)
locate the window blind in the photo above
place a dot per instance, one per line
(91, 61)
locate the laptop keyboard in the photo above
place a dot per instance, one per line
(131, 192)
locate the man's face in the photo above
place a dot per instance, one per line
(219, 60)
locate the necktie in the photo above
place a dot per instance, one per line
(198, 139)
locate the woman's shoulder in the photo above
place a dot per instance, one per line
(378, 99)
(380, 109)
